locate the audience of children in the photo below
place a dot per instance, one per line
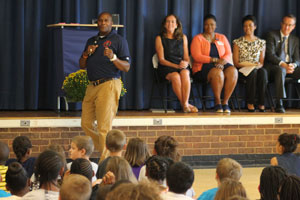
(82, 147)
(180, 178)
(289, 188)
(75, 187)
(115, 144)
(156, 169)
(2, 192)
(136, 154)
(4, 153)
(22, 148)
(228, 188)
(226, 168)
(270, 179)
(285, 146)
(48, 167)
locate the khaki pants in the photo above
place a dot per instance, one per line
(100, 103)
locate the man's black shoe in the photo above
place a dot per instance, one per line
(279, 109)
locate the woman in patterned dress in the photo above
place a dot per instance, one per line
(249, 51)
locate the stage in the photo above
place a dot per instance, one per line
(204, 137)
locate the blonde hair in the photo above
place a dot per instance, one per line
(84, 142)
(75, 187)
(137, 152)
(120, 168)
(229, 168)
(229, 188)
(130, 191)
(115, 140)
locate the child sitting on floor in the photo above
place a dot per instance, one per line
(285, 146)
(82, 147)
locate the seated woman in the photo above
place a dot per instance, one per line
(173, 55)
(286, 145)
(212, 57)
(249, 54)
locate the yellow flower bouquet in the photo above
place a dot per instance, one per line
(75, 85)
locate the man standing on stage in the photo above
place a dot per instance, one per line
(104, 57)
(282, 57)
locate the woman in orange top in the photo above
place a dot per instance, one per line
(173, 54)
(212, 60)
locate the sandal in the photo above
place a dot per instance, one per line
(186, 109)
(193, 109)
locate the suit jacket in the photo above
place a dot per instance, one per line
(274, 45)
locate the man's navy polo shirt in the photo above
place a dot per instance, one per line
(99, 66)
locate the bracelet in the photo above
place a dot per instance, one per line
(214, 60)
(113, 58)
(85, 57)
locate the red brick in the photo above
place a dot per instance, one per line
(35, 149)
(265, 126)
(35, 154)
(193, 139)
(3, 130)
(151, 140)
(146, 133)
(185, 145)
(82, 133)
(156, 127)
(194, 127)
(256, 132)
(50, 135)
(210, 151)
(273, 131)
(229, 138)
(238, 132)
(137, 128)
(270, 144)
(76, 129)
(175, 128)
(39, 129)
(192, 152)
(201, 145)
(282, 126)
(237, 144)
(39, 142)
(296, 125)
(31, 135)
(211, 126)
(230, 126)
(19, 130)
(201, 132)
(263, 150)
(246, 150)
(60, 141)
(59, 129)
(183, 133)
(122, 128)
(181, 152)
(220, 132)
(229, 151)
(219, 144)
(255, 144)
(293, 131)
(210, 139)
(168, 133)
(8, 135)
(69, 134)
(43, 148)
(262, 138)
(179, 139)
(130, 133)
(247, 126)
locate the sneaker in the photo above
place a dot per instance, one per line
(226, 108)
(218, 108)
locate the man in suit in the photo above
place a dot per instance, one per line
(282, 57)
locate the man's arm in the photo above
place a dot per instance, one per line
(271, 49)
(120, 64)
(295, 54)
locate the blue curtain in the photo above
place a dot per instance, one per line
(27, 74)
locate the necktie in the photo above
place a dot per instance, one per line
(282, 50)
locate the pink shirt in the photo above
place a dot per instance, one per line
(200, 50)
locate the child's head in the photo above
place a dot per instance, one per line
(289, 188)
(81, 147)
(229, 188)
(48, 166)
(156, 168)
(115, 140)
(16, 178)
(75, 187)
(166, 146)
(59, 149)
(228, 168)
(22, 147)
(83, 167)
(120, 168)
(180, 177)
(136, 152)
(4, 153)
(270, 179)
(287, 143)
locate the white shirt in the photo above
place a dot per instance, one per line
(41, 194)
(173, 196)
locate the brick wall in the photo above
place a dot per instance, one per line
(194, 140)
